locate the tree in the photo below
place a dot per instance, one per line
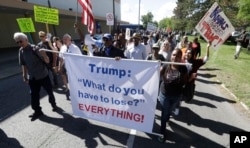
(148, 18)
(244, 12)
(166, 22)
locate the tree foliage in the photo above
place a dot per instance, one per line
(188, 13)
(244, 12)
(166, 22)
(148, 18)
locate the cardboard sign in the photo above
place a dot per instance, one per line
(26, 24)
(215, 26)
(46, 15)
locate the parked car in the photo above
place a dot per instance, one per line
(236, 34)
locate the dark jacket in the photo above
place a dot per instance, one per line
(114, 52)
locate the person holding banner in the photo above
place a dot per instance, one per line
(173, 77)
(108, 50)
(35, 73)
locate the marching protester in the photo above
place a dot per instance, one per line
(121, 38)
(137, 50)
(196, 47)
(61, 69)
(187, 46)
(155, 55)
(147, 46)
(183, 42)
(108, 50)
(166, 50)
(192, 70)
(173, 78)
(35, 73)
(240, 42)
(68, 47)
(151, 40)
(46, 44)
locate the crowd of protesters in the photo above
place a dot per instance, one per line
(162, 46)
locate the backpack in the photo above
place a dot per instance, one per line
(34, 52)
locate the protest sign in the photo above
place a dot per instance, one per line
(26, 24)
(46, 15)
(122, 93)
(151, 27)
(215, 26)
(127, 34)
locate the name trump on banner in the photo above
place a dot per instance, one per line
(122, 93)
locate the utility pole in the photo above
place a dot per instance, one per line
(114, 26)
(54, 28)
(139, 15)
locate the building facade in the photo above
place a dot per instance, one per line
(69, 13)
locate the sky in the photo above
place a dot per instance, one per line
(159, 8)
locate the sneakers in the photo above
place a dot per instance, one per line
(35, 115)
(161, 139)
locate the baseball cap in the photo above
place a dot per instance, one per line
(107, 36)
(155, 46)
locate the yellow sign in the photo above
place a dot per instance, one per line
(26, 24)
(46, 15)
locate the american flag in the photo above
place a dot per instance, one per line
(87, 15)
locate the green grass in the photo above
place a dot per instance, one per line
(234, 74)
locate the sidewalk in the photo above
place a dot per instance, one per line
(9, 64)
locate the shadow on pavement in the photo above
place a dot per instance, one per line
(6, 141)
(213, 97)
(83, 129)
(208, 82)
(191, 118)
(208, 69)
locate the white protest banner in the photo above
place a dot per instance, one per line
(122, 93)
(215, 26)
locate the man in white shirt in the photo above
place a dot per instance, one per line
(137, 50)
(70, 48)
(147, 46)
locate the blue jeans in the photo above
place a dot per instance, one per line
(167, 105)
(35, 87)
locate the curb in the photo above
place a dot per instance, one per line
(242, 104)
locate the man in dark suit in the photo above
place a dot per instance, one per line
(108, 50)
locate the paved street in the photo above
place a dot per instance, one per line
(204, 122)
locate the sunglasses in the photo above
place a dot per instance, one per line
(41, 36)
(19, 42)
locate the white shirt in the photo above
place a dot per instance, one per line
(166, 54)
(136, 52)
(148, 49)
(72, 49)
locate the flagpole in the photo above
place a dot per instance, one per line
(76, 10)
